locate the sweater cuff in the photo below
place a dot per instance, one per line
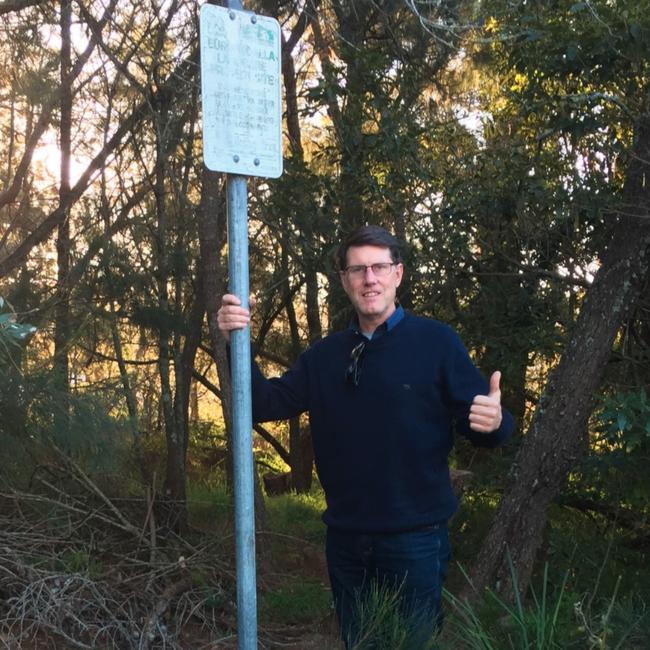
(494, 438)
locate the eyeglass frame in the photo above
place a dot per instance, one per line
(353, 371)
(352, 270)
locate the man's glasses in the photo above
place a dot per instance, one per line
(354, 369)
(380, 269)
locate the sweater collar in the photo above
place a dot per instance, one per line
(385, 327)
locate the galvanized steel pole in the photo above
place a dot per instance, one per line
(242, 446)
(242, 425)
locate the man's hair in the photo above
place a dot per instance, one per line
(369, 236)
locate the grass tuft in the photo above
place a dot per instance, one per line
(298, 515)
(299, 601)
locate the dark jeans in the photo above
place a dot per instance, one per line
(413, 564)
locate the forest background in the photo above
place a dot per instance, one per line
(507, 143)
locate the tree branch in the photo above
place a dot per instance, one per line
(258, 428)
(166, 94)
(9, 6)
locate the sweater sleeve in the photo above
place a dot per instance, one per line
(463, 382)
(280, 398)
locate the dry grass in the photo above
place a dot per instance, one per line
(81, 570)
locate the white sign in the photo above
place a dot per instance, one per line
(240, 87)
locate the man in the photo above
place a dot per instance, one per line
(383, 399)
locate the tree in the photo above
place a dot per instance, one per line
(556, 439)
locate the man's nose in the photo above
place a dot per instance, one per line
(369, 276)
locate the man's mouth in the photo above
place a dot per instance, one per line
(370, 294)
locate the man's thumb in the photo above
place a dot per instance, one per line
(494, 384)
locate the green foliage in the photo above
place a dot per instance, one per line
(495, 215)
(552, 618)
(468, 528)
(384, 627)
(623, 422)
(536, 626)
(590, 591)
(29, 403)
(298, 515)
(612, 481)
(297, 602)
(630, 621)
(214, 596)
(90, 433)
(295, 515)
(79, 560)
(13, 335)
(209, 505)
(11, 331)
(28, 427)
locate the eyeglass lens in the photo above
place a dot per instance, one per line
(380, 269)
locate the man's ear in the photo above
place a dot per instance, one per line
(400, 270)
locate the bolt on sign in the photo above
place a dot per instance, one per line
(241, 97)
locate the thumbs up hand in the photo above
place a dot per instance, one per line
(485, 412)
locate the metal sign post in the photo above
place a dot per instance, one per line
(242, 135)
(243, 467)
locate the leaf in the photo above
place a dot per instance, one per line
(622, 421)
(577, 7)
(10, 330)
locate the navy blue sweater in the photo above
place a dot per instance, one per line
(381, 447)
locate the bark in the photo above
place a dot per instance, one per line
(62, 310)
(615, 513)
(301, 456)
(312, 307)
(9, 6)
(353, 181)
(293, 123)
(405, 295)
(212, 238)
(175, 477)
(129, 395)
(556, 438)
(185, 360)
(352, 185)
(186, 366)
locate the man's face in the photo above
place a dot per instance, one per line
(372, 296)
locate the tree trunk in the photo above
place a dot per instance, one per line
(212, 237)
(129, 396)
(348, 130)
(62, 310)
(556, 438)
(300, 462)
(175, 476)
(301, 455)
(186, 354)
